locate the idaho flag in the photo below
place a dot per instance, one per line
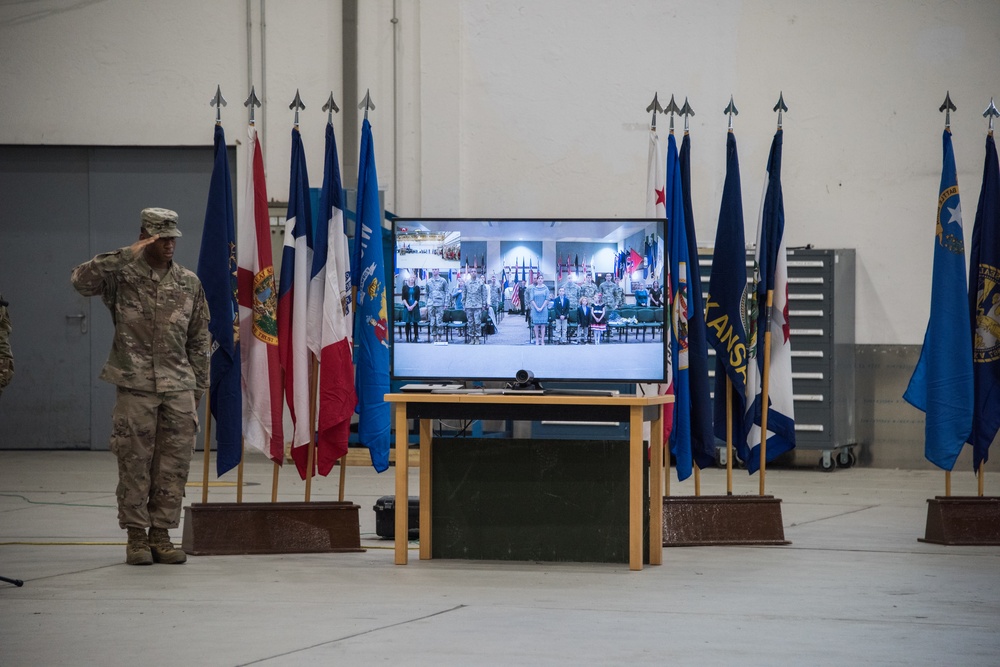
(371, 331)
(942, 382)
(984, 302)
(217, 272)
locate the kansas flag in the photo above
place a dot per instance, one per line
(942, 382)
(371, 331)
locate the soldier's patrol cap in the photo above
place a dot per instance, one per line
(160, 221)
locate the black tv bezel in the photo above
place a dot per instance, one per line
(562, 381)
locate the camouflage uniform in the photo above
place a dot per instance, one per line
(475, 297)
(437, 301)
(160, 363)
(609, 290)
(6, 356)
(587, 289)
(572, 293)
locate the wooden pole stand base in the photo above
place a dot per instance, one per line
(213, 529)
(963, 521)
(722, 520)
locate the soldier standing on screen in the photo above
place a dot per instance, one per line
(160, 362)
(609, 292)
(475, 297)
(437, 302)
(496, 298)
(572, 291)
(6, 356)
(588, 289)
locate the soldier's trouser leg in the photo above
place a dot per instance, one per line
(152, 437)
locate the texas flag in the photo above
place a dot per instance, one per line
(296, 261)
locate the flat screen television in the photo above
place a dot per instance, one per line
(434, 341)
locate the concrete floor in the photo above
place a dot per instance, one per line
(854, 587)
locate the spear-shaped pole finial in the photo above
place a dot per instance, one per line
(367, 103)
(991, 113)
(779, 107)
(218, 101)
(947, 107)
(252, 101)
(731, 111)
(687, 112)
(655, 107)
(672, 109)
(330, 108)
(297, 105)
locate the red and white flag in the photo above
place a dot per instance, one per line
(329, 318)
(258, 299)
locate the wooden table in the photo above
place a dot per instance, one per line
(635, 410)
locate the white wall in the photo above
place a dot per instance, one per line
(538, 108)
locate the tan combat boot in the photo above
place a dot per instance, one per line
(137, 550)
(162, 548)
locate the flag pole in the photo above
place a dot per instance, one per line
(311, 456)
(764, 389)
(730, 111)
(343, 476)
(274, 483)
(981, 475)
(208, 446)
(655, 107)
(239, 473)
(947, 107)
(729, 436)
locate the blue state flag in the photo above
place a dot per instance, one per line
(677, 251)
(702, 437)
(770, 323)
(984, 302)
(371, 328)
(942, 382)
(217, 272)
(726, 309)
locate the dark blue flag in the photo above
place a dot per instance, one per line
(984, 302)
(371, 328)
(677, 252)
(726, 310)
(702, 438)
(770, 278)
(942, 382)
(217, 272)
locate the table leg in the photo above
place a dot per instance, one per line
(656, 489)
(426, 508)
(402, 485)
(635, 465)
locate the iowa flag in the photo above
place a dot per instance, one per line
(258, 297)
(770, 276)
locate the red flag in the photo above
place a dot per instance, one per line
(258, 299)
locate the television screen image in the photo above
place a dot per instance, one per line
(571, 300)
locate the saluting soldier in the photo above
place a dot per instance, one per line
(159, 362)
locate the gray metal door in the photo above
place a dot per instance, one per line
(60, 206)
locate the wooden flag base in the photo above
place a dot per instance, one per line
(213, 529)
(722, 520)
(963, 521)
